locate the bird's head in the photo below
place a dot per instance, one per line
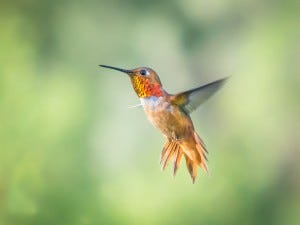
(145, 81)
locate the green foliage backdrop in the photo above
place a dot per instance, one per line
(71, 152)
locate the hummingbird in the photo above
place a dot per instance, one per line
(170, 113)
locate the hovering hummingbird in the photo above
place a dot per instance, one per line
(170, 114)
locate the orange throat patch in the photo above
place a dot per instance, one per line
(144, 88)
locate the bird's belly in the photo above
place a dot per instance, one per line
(169, 119)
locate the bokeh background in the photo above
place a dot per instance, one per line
(72, 152)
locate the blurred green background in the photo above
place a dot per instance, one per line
(72, 152)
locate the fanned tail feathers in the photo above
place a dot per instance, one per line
(192, 149)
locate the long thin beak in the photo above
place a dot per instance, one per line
(119, 69)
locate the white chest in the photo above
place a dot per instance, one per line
(155, 104)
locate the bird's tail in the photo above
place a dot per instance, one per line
(192, 149)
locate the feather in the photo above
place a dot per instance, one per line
(172, 148)
(177, 159)
(190, 100)
(191, 148)
(165, 148)
(192, 167)
(134, 106)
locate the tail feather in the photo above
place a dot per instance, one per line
(192, 149)
(165, 149)
(172, 149)
(192, 167)
(177, 160)
(202, 152)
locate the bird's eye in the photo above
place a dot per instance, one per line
(143, 72)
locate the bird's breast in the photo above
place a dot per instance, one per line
(156, 104)
(168, 118)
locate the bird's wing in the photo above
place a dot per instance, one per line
(190, 100)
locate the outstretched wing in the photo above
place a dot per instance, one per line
(190, 100)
